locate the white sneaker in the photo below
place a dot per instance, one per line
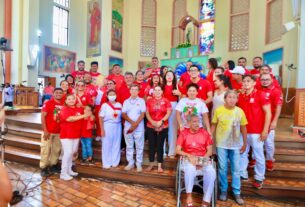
(98, 138)
(128, 167)
(72, 173)
(139, 169)
(65, 177)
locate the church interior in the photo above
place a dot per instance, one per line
(41, 42)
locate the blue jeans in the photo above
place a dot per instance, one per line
(234, 158)
(86, 147)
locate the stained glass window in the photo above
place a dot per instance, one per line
(148, 29)
(207, 9)
(206, 27)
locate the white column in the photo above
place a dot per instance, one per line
(300, 83)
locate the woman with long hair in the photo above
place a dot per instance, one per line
(155, 80)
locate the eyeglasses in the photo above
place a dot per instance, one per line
(194, 70)
(265, 79)
(110, 83)
(80, 85)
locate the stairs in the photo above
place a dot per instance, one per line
(286, 181)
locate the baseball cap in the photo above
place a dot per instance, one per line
(238, 70)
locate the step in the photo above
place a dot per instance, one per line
(153, 178)
(289, 140)
(24, 131)
(290, 155)
(22, 142)
(30, 120)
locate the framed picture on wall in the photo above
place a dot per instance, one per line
(117, 25)
(57, 60)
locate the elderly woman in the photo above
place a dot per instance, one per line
(195, 144)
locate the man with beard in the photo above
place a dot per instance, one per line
(257, 64)
(79, 74)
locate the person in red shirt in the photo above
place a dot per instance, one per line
(70, 132)
(257, 64)
(158, 110)
(50, 143)
(91, 89)
(195, 144)
(242, 61)
(236, 78)
(93, 71)
(171, 93)
(124, 91)
(257, 109)
(82, 99)
(79, 74)
(47, 92)
(211, 66)
(276, 98)
(205, 89)
(116, 76)
(141, 83)
(185, 77)
(154, 81)
(70, 79)
(266, 69)
(154, 68)
(86, 136)
(64, 85)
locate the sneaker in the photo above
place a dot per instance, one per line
(55, 169)
(139, 169)
(243, 178)
(258, 184)
(72, 173)
(239, 200)
(223, 196)
(91, 162)
(269, 165)
(65, 177)
(98, 139)
(128, 167)
(252, 163)
(83, 162)
(45, 172)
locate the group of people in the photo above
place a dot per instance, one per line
(232, 108)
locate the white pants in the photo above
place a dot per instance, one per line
(258, 152)
(209, 176)
(172, 132)
(111, 145)
(131, 139)
(69, 147)
(269, 146)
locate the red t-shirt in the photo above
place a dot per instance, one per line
(123, 93)
(71, 90)
(275, 96)
(91, 90)
(154, 71)
(79, 75)
(84, 100)
(235, 85)
(195, 143)
(52, 121)
(204, 88)
(143, 86)
(168, 93)
(157, 110)
(94, 74)
(70, 130)
(258, 84)
(87, 127)
(119, 80)
(252, 105)
(254, 71)
(210, 77)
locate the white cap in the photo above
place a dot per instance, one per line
(238, 70)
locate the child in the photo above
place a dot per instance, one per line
(229, 120)
(86, 136)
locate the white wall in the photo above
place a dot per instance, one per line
(1, 18)
(77, 31)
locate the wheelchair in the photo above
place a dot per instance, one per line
(180, 186)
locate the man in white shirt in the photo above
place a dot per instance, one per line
(133, 112)
(8, 95)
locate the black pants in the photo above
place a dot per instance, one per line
(156, 143)
(10, 103)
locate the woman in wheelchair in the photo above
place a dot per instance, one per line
(195, 145)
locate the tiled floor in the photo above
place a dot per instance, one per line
(91, 192)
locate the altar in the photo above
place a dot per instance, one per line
(25, 96)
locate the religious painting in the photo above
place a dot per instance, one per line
(94, 24)
(117, 25)
(115, 60)
(57, 60)
(206, 37)
(207, 10)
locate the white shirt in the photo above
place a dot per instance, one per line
(188, 107)
(133, 109)
(110, 115)
(218, 100)
(99, 96)
(8, 94)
